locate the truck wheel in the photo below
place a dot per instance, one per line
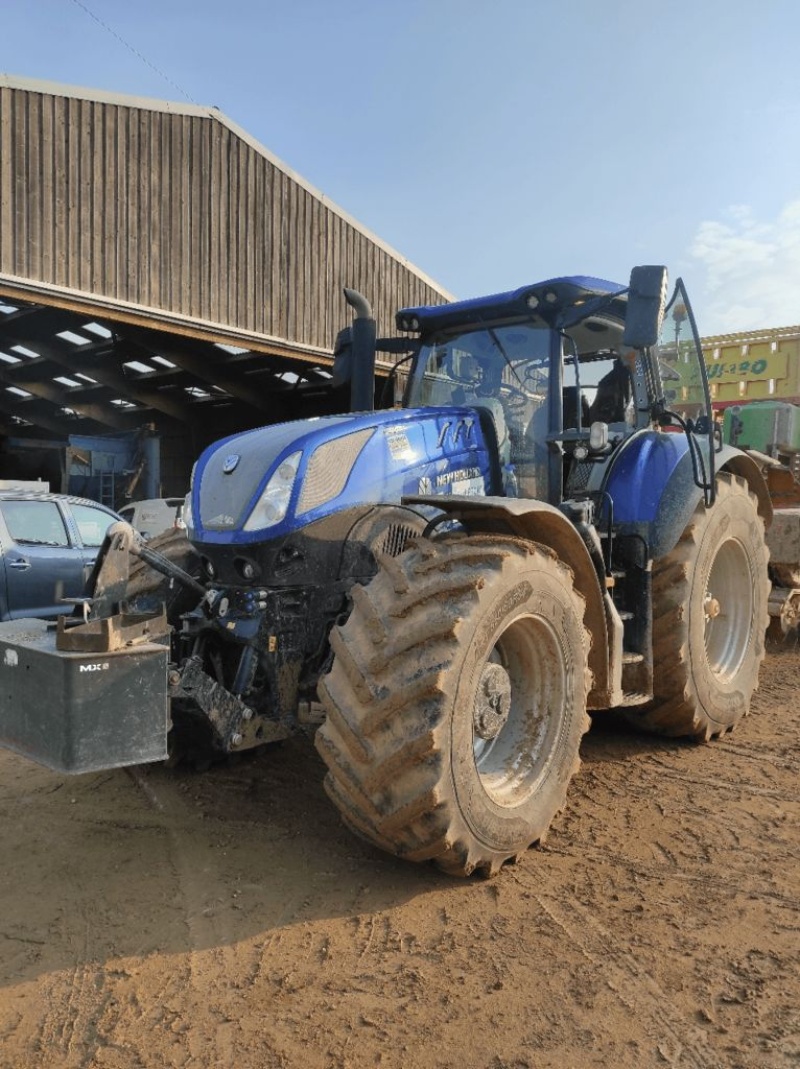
(710, 598)
(456, 701)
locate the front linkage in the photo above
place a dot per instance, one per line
(230, 683)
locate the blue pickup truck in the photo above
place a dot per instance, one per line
(48, 544)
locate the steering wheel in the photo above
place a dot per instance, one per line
(515, 400)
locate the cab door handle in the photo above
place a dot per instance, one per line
(20, 564)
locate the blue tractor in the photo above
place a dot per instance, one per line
(548, 525)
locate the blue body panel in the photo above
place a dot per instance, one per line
(653, 488)
(641, 472)
(413, 451)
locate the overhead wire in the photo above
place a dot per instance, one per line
(134, 51)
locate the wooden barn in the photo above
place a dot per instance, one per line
(162, 277)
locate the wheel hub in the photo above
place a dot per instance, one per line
(711, 606)
(492, 702)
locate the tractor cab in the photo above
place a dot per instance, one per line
(558, 382)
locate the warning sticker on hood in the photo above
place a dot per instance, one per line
(399, 445)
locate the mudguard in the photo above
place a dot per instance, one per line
(651, 484)
(539, 522)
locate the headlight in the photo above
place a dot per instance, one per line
(274, 501)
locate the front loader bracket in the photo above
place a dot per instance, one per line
(235, 725)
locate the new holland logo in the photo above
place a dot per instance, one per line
(230, 463)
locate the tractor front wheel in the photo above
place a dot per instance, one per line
(456, 701)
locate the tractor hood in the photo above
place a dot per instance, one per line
(265, 483)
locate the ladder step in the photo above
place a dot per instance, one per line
(632, 658)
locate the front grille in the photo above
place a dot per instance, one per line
(329, 468)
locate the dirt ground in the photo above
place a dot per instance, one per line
(157, 918)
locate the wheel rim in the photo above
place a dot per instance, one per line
(518, 710)
(728, 609)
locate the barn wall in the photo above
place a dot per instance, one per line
(172, 208)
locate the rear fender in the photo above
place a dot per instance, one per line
(539, 522)
(651, 484)
(739, 463)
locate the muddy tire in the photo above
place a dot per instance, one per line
(710, 599)
(456, 702)
(148, 589)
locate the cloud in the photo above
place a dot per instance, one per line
(750, 270)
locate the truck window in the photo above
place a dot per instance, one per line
(35, 523)
(92, 524)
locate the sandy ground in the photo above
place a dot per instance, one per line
(156, 918)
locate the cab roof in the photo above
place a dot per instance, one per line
(552, 299)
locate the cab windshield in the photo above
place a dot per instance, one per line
(502, 370)
(509, 364)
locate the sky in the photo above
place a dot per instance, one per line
(493, 143)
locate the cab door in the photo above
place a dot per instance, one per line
(683, 369)
(42, 564)
(685, 385)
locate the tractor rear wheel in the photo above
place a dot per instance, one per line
(456, 701)
(710, 596)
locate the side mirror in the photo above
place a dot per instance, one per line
(647, 300)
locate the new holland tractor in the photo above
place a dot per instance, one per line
(549, 525)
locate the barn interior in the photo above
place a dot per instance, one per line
(165, 281)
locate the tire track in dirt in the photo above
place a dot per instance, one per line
(631, 983)
(659, 926)
(72, 1010)
(755, 753)
(94, 1005)
(670, 871)
(73, 998)
(210, 954)
(737, 787)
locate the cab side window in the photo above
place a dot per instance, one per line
(37, 523)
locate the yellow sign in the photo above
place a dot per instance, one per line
(746, 368)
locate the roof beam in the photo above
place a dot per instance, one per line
(63, 397)
(202, 368)
(43, 415)
(83, 359)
